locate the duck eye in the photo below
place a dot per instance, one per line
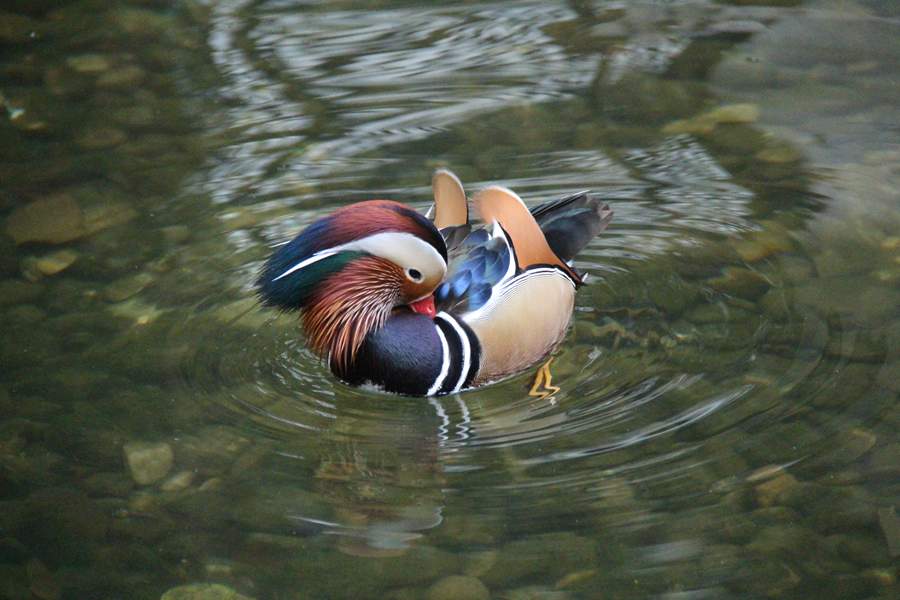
(414, 275)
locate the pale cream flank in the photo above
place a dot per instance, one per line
(523, 324)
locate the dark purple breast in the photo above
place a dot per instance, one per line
(405, 356)
(418, 356)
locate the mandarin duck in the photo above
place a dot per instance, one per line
(428, 307)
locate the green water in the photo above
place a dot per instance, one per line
(725, 424)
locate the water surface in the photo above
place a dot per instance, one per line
(722, 417)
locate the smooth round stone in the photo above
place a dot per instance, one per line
(126, 287)
(203, 591)
(49, 264)
(771, 491)
(706, 122)
(101, 138)
(176, 234)
(458, 587)
(762, 244)
(849, 446)
(177, 482)
(779, 155)
(89, 63)
(65, 82)
(734, 113)
(43, 583)
(54, 219)
(134, 116)
(16, 29)
(741, 282)
(122, 77)
(148, 462)
(886, 459)
(14, 291)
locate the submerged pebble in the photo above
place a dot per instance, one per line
(101, 138)
(458, 587)
(177, 482)
(741, 282)
(53, 219)
(203, 591)
(34, 267)
(148, 462)
(122, 77)
(60, 218)
(89, 63)
(705, 123)
(126, 287)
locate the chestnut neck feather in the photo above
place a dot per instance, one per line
(348, 305)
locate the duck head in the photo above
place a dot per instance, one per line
(348, 271)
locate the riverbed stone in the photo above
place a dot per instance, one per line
(17, 29)
(65, 523)
(783, 540)
(35, 267)
(706, 122)
(849, 446)
(177, 482)
(458, 587)
(54, 219)
(108, 484)
(276, 509)
(42, 582)
(203, 591)
(551, 554)
(89, 63)
(101, 138)
(885, 460)
(774, 488)
(862, 550)
(122, 77)
(126, 287)
(148, 462)
(763, 244)
(213, 448)
(60, 218)
(839, 509)
(779, 154)
(14, 581)
(741, 282)
(16, 291)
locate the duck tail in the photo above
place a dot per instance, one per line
(570, 223)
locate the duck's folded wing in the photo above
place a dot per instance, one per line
(484, 260)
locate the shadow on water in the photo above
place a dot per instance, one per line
(720, 421)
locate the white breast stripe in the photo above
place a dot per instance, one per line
(445, 364)
(465, 347)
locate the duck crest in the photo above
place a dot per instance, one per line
(290, 276)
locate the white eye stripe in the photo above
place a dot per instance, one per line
(400, 248)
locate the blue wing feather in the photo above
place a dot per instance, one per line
(482, 263)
